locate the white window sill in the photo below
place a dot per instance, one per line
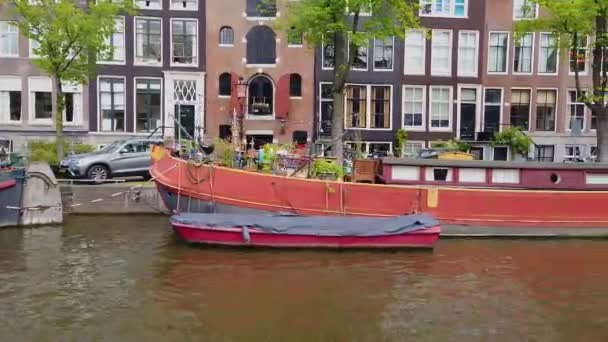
(113, 133)
(547, 74)
(9, 56)
(412, 73)
(522, 73)
(155, 64)
(226, 45)
(295, 97)
(383, 70)
(327, 68)
(186, 9)
(150, 8)
(13, 123)
(260, 18)
(224, 96)
(441, 74)
(414, 128)
(295, 46)
(355, 69)
(111, 62)
(180, 65)
(440, 129)
(443, 16)
(252, 66)
(254, 117)
(497, 73)
(368, 129)
(468, 75)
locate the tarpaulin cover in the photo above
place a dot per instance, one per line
(310, 225)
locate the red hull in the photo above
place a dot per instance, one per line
(479, 207)
(425, 238)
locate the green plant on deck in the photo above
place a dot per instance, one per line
(326, 167)
(514, 138)
(224, 152)
(399, 142)
(46, 151)
(453, 145)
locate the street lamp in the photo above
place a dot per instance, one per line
(241, 94)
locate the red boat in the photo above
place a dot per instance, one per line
(469, 193)
(292, 231)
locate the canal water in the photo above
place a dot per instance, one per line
(131, 279)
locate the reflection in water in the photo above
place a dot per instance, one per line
(130, 279)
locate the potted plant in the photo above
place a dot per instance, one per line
(399, 143)
(517, 140)
(326, 169)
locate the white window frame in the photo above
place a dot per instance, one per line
(483, 108)
(135, 61)
(478, 105)
(530, 103)
(586, 112)
(366, 145)
(451, 13)
(582, 150)
(321, 100)
(540, 49)
(507, 55)
(195, 49)
(407, 71)
(368, 104)
(366, 56)
(99, 118)
(9, 24)
(493, 150)
(476, 60)
(515, 72)
(516, 18)
(77, 117)
(421, 128)
(46, 88)
(421, 143)
(374, 57)
(177, 8)
(435, 72)
(12, 83)
(162, 95)
(31, 52)
(450, 109)
(556, 90)
(158, 6)
(290, 45)
(323, 67)
(587, 61)
(124, 46)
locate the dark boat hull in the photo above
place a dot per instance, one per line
(11, 192)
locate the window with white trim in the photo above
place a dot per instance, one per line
(184, 39)
(10, 99)
(112, 104)
(360, 61)
(148, 41)
(524, 9)
(73, 103)
(522, 54)
(548, 54)
(34, 45)
(412, 148)
(468, 43)
(492, 109)
(117, 43)
(383, 53)
(576, 111)
(148, 4)
(184, 5)
(147, 104)
(578, 56)
(441, 107)
(294, 38)
(444, 8)
(498, 52)
(415, 44)
(520, 108)
(328, 54)
(41, 109)
(326, 108)
(574, 152)
(413, 107)
(546, 102)
(9, 39)
(372, 99)
(441, 53)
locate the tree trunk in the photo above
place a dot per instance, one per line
(58, 103)
(602, 137)
(340, 72)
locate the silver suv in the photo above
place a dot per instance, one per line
(121, 158)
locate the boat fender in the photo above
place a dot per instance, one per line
(246, 235)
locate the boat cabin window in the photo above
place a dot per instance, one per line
(439, 174)
(501, 153)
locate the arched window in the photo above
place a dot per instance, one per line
(225, 84)
(260, 96)
(261, 46)
(295, 85)
(226, 36)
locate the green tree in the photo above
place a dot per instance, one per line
(346, 25)
(70, 38)
(572, 21)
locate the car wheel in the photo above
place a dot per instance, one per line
(98, 173)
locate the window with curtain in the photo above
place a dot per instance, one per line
(356, 106)
(381, 107)
(148, 41)
(184, 34)
(468, 42)
(522, 56)
(497, 56)
(415, 43)
(492, 107)
(576, 111)
(547, 63)
(440, 112)
(112, 104)
(9, 39)
(327, 109)
(545, 110)
(443, 8)
(383, 53)
(524, 9)
(413, 107)
(520, 108)
(441, 51)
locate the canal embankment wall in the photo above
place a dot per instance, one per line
(111, 199)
